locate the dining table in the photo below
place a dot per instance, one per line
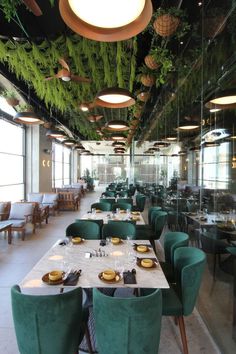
(89, 259)
(135, 216)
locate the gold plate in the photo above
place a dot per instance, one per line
(112, 281)
(45, 279)
(135, 212)
(138, 262)
(135, 248)
(77, 243)
(98, 211)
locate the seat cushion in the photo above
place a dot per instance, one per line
(35, 197)
(50, 198)
(171, 305)
(19, 210)
(17, 223)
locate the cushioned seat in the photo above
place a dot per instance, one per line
(121, 206)
(120, 229)
(20, 215)
(101, 206)
(51, 200)
(85, 228)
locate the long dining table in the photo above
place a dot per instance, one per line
(121, 216)
(92, 259)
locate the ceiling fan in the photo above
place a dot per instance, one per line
(66, 75)
(33, 7)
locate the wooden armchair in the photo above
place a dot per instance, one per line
(20, 214)
(4, 210)
(68, 200)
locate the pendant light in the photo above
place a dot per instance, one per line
(55, 134)
(28, 118)
(114, 97)
(187, 126)
(69, 142)
(118, 136)
(118, 144)
(161, 144)
(223, 99)
(106, 20)
(117, 125)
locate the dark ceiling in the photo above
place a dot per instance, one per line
(30, 47)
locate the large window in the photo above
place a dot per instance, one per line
(61, 165)
(12, 160)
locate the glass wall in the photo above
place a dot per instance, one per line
(61, 165)
(12, 161)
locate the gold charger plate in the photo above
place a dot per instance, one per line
(135, 212)
(77, 243)
(135, 248)
(138, 262)
(112, 281)
(98, 211)
(45, 279)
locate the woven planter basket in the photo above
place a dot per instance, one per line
(144, 96)
(12, 101)
(215, 26)
(166, 25)
(148, 80)
(134, 123)
(150, 62)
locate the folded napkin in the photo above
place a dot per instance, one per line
(130, 277)
(72, 278)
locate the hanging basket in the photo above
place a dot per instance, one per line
(151, 62)
(134, 123)
(215, 26)
(12, 101)
(148, 80)
(166, 25)
(144, 96)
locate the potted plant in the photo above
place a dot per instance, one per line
(170, 21)
(146, 76)
(143, 96)
(157, 57)
(25, 107)
(11, 97)
(137, 110)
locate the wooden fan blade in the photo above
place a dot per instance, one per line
(80, 79)
(64, 64)
(49, 78)
(33, 6)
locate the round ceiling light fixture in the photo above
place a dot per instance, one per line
(118, 136)
(118, 144)
(69, 142)
(187, 126)
(223, 99)
(171, 138)
(182, 152)
(114, 97)
(55, 134)
(106, 20)
(210, 144)
(161, 144)
(117, 125)
(29, 118)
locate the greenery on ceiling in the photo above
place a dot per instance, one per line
(107, 64)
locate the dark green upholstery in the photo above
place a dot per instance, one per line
(150, 211)
(99, 222)
(127, 325)
(125, 200)
(120, 229)
(143, 232)
(107, 200)
(101, 206)
(109, 194)
(140, 203)
(122, 206)
(121, 193)
(172, 241)
(86, 229)
(48, 324)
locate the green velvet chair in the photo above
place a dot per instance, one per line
(120, 229)
(49, 324)
(99, 222)
(109, 194)
(140, 203)
(125, 200)
(101, 206)
(145, 230)
(160, 222)
(121, 194)
(121, 206)
(180, 299)
(127, 325)
(85, 228)
(107, 200)
(172, 241)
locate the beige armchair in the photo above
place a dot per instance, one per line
(20, 215)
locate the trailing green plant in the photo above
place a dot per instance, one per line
(8, 94)
(24, 107)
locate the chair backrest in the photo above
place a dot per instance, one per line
(120, 229)
(125, 200)
(107, 200)
(48, 324)
(86, 229)
(121, 206)
(140, 201)
(189, 263)
(108, 194)
(160, 222)
(150, 211)
(172, 241)
(121, 194)
(136, 328)
(99, 222)
(212, 245)
(35, 197)
(50, 198)
(20, 210)
(101, 206)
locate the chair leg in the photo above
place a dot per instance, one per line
(214, 267)
(87, 335)
(183, 334)
(23, 235)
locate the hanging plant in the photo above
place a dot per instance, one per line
(146, 77)
(11, 97)
(170, 21)
(144, 96)
(24, 107)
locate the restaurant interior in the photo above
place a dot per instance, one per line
(97, 102)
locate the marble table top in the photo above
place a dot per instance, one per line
(83, 256)
(108, 215)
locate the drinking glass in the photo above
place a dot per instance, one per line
(117, 210)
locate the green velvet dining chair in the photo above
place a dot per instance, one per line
(99, 222)
(180, 299)
(127, 325)
(172, 241)
(49, 324)
(101, 206)
(109, 194)
(145, 230)
(107, 200)
(125, 200)
(140, 203)
(120, 229)
(86, 229)
(121, 206)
